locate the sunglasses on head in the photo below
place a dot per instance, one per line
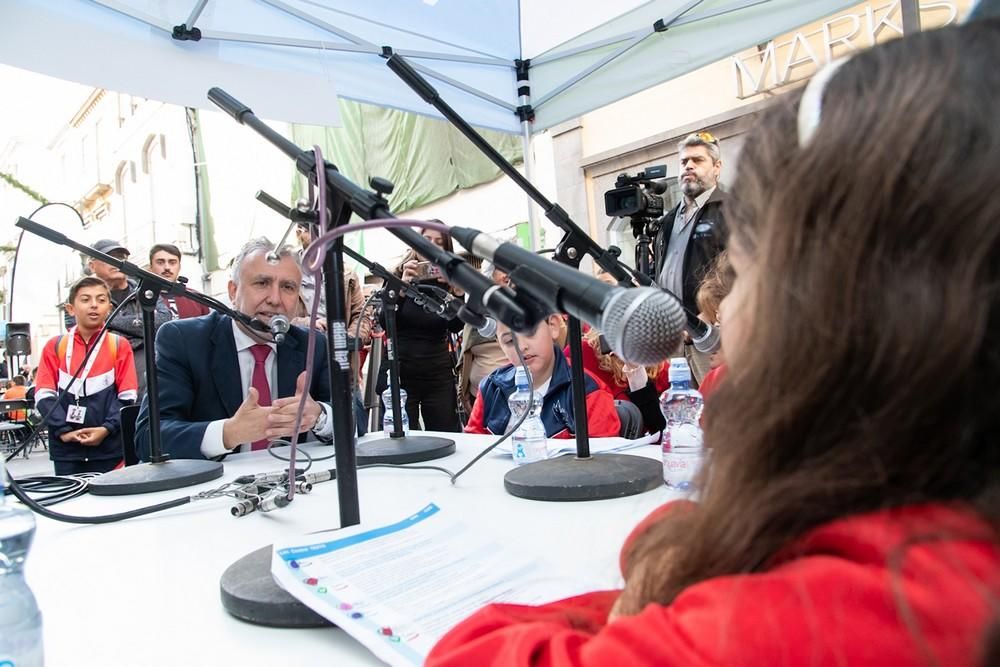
(707, 138)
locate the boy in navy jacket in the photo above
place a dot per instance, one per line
(550, 374)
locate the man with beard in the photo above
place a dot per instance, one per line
(128, 321)
(165, 260)
(691, 234)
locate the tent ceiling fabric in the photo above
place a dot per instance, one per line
(290, 59)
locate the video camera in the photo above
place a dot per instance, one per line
(637, 196)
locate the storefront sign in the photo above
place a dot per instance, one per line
(780, 63)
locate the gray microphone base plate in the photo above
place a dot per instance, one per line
(599, 477)
(150, 477)
(408, 449)
(250, 593)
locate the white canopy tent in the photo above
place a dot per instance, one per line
(290, 59)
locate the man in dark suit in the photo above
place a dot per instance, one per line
(223, 386)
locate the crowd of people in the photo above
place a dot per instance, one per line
(849, 512)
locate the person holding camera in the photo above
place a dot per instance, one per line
(423, 346)
(690, 235)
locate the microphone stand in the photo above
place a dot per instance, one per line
(161, 473)
(566, 478)
(644, 229)
(398, 447)
(248, 590)
(503, 303)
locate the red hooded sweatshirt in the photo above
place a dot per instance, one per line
(910, 586)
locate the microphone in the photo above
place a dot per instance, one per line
(279, 327)
(644, 325)
(705, 337)
(486, 325)
(489, 328)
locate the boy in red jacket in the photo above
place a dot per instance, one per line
(551, 378)
(85, 424)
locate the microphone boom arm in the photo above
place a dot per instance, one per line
(369, 205)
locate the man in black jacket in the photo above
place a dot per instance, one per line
(128, 321)
(691, 234)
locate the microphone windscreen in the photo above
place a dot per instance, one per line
(710, 342)
(644, 325)
(489, 329)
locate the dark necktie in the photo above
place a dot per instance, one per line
(259, 382)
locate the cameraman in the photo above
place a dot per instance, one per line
(691, 234)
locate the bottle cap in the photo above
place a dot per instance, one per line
(521, 378)
(679, 371)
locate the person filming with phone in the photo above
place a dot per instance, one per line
(426, 367)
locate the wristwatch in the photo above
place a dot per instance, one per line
(320, 421)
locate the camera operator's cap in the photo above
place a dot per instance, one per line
(108, 246)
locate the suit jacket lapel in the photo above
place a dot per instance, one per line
(225, 368)
(291, 361)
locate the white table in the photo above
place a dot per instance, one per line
(146, 591)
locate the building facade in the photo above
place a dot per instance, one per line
(644, 129)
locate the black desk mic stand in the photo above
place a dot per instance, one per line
(161, 473)
(399, 447)
(580, 477)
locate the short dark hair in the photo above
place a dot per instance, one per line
(166, 247)
(86, 281)
(19, 380)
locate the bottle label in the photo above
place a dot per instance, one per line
(680, 470)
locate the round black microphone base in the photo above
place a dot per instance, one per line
(600, 477)
(150, 477)
(408, 449)
(250, 593)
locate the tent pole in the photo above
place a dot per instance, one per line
(526, 114)
(529, 171)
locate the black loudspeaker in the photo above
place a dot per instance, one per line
(18, 339)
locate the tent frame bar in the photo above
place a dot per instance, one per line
(593, 68)
(195, 13)
(551, 55)
(313, 21)
(135, 14)
(660, 26)
(426, 71)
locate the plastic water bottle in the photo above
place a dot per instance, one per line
(387, 422)
(519, 401)
(20, 620)
(528, 441)
(682, 439)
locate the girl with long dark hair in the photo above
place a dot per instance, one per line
(849, 513)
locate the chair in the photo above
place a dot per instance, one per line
(631, 418)
(129, 413)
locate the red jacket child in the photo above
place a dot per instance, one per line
(903, 587)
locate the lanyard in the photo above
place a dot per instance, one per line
(82, 378)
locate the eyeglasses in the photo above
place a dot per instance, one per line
(707, 138)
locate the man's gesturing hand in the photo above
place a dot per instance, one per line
(248, 424)
(281, 421)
